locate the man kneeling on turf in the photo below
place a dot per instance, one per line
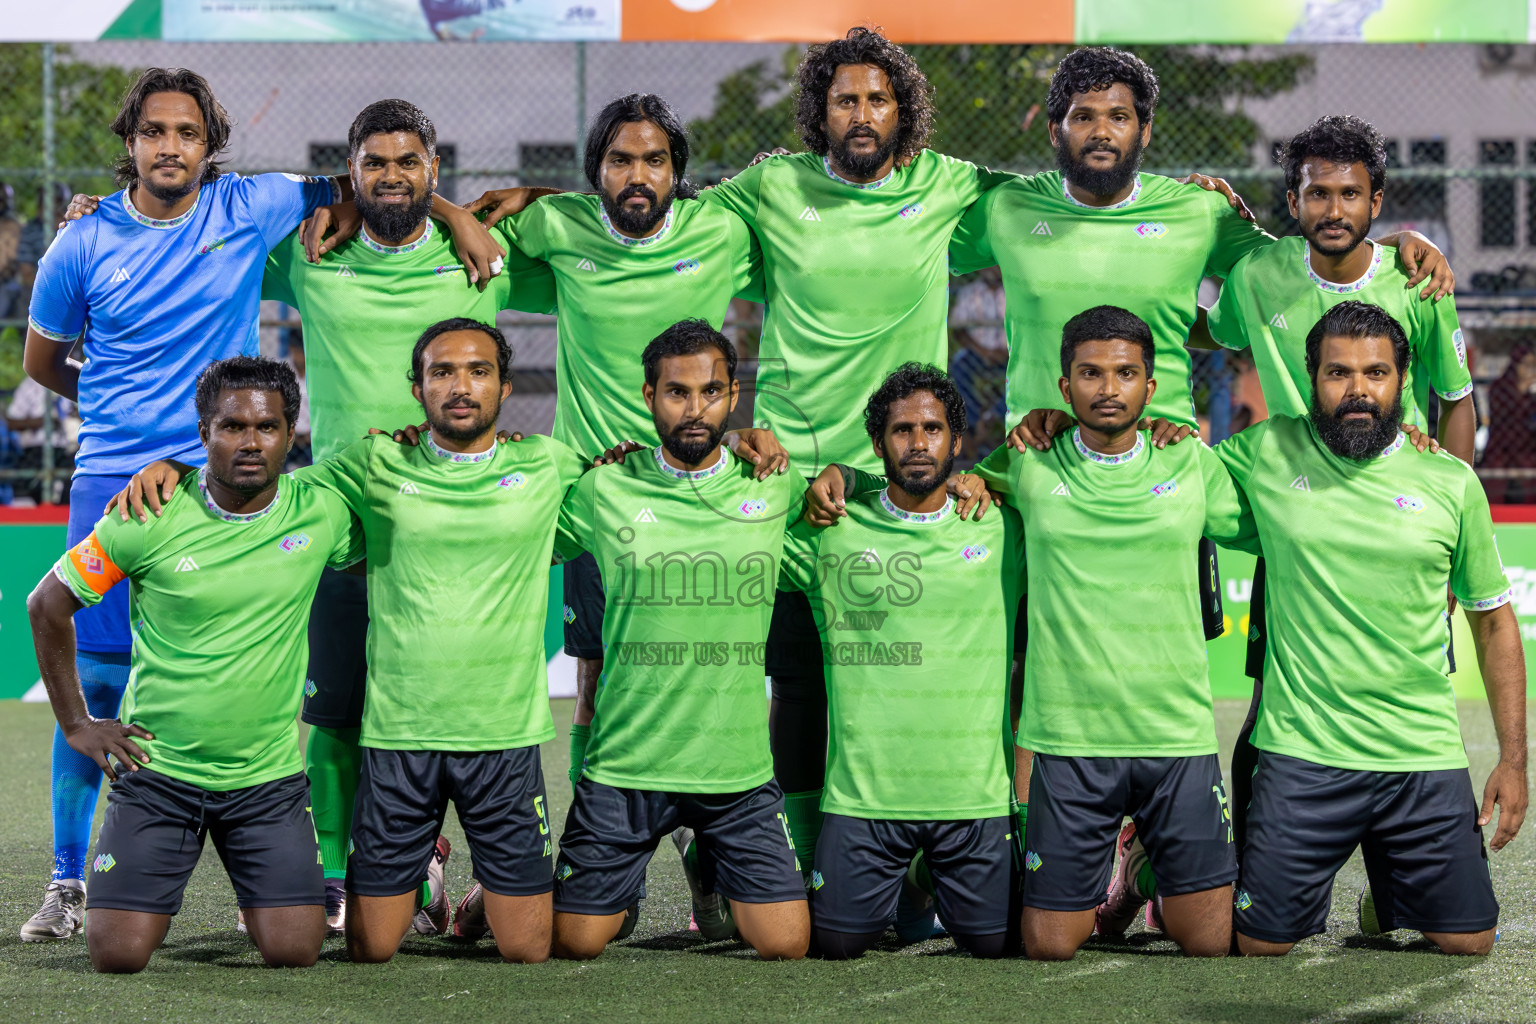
(679, 740)
(208, 742)
(1358, 738)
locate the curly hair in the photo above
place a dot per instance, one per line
(685, 338)
(905, 380)
(417, 374)
(216, 120)
(246, 373)
(1092, 68)
(1339, 139)
(385, 117)
(914, 96)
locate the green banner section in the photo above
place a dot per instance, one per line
(1302, 21)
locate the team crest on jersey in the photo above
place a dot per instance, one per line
(446, 271)
(975, 553)
(686, 268)
(408, 488)
(911, 211)
(1278, 321)
(213, 246)
(1408, 503)
(103, 863)
(1166, 489)
(1461, 347)
(645, 515)
(586, 264)
(294, 542)
(809, 213)
(1042, 228)
(344, 271)
(516, 481)
(187, 564)
(1151, 229)
(753, 507)
(121, 276)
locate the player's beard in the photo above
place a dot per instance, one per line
(914, 484)
(1127, 421)
(392, 222)
(1344, 248)
(690, 453)
(176, 193)
(248, 489)
(443, 427)
(862, 165)
(1096, 182)
(632, 222)
(1358, 440)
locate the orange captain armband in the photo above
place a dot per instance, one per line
(91, 563)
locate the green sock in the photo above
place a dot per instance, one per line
(333, 763)
(920, 875)
(802, 813)
(1146, 882)
(424, 897)
(580, 734)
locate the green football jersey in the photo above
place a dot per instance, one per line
(617, 293)
(1116, 663)
(916, 616)
(1058, 257)
(854, 280)
(690, 562)
(1357, 558)
(1272, 299)
(459, 550)
(363, 307)
(219, 605)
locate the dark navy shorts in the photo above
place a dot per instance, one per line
(338, 652)
(1418, 832)
(585, 602)
(860, 863)
(401, 801)
(611, 833)
(153, 836)
(1076, 808)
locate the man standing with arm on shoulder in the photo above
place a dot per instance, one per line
(1357, 730)
(221, 585)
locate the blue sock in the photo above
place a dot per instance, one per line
(76, 778)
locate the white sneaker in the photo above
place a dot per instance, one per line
(62, 913)
(433, 919)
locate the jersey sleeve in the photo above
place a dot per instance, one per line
(995, 470)
(345, 473)
(532, 281)
(1440, 348)
(739, 194)
(747, 280)
(1228, 519)
(1234, 238)
(577, 524)
(569, 464)
(58, 307)
(797, 569)
(277, 202)
(349, 546)
(111, 553)
(1225, 320)
(277, 275)
(1240, 453)
(970, 248)
(1477, 572)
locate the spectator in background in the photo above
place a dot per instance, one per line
(10, 241)
(24, 415)
(33, 242)
(979, 365)
(1512, 426)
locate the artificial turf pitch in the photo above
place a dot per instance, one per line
(209, 972)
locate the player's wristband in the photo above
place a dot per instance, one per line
(579, 736)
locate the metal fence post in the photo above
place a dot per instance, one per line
(50, 163)
(581, 105)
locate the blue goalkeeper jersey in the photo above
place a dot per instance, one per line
(156, 302)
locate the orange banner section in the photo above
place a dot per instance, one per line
(801, 21)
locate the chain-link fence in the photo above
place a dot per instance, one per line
(1462, 171)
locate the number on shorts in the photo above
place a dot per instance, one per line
(1224, 813)
(538, 805)
(784, 824)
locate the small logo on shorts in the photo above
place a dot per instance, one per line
(1032, 860)
(1241, 900)
(310, 689)
(103, 863)
(294, 542)
(564, 872)
(816, 880)
(516, 481)
(753, 507)
(569, 615)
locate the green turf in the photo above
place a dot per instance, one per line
(208, 972)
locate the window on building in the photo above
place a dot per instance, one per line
(1496, 196)
(550, 163)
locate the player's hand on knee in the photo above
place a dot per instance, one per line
(1037, 428)
(825, 498)
(1506, 787)
(1164, 432)
(342, 221)
(101, 739)
(760, 448)
(80, 205)
(407, 435)
(617, 453)
(1419, 439)
(1212, 184)
(969, 493)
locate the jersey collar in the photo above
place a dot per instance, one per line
(623, 239)
(162, 225)
(1100, 457)
(1353, 286)
(1122, 204)
(448, 456)
(691, 474)
(395, 250)
(233, 517)
(1397, 443)
(914, 517)
(826, 165)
